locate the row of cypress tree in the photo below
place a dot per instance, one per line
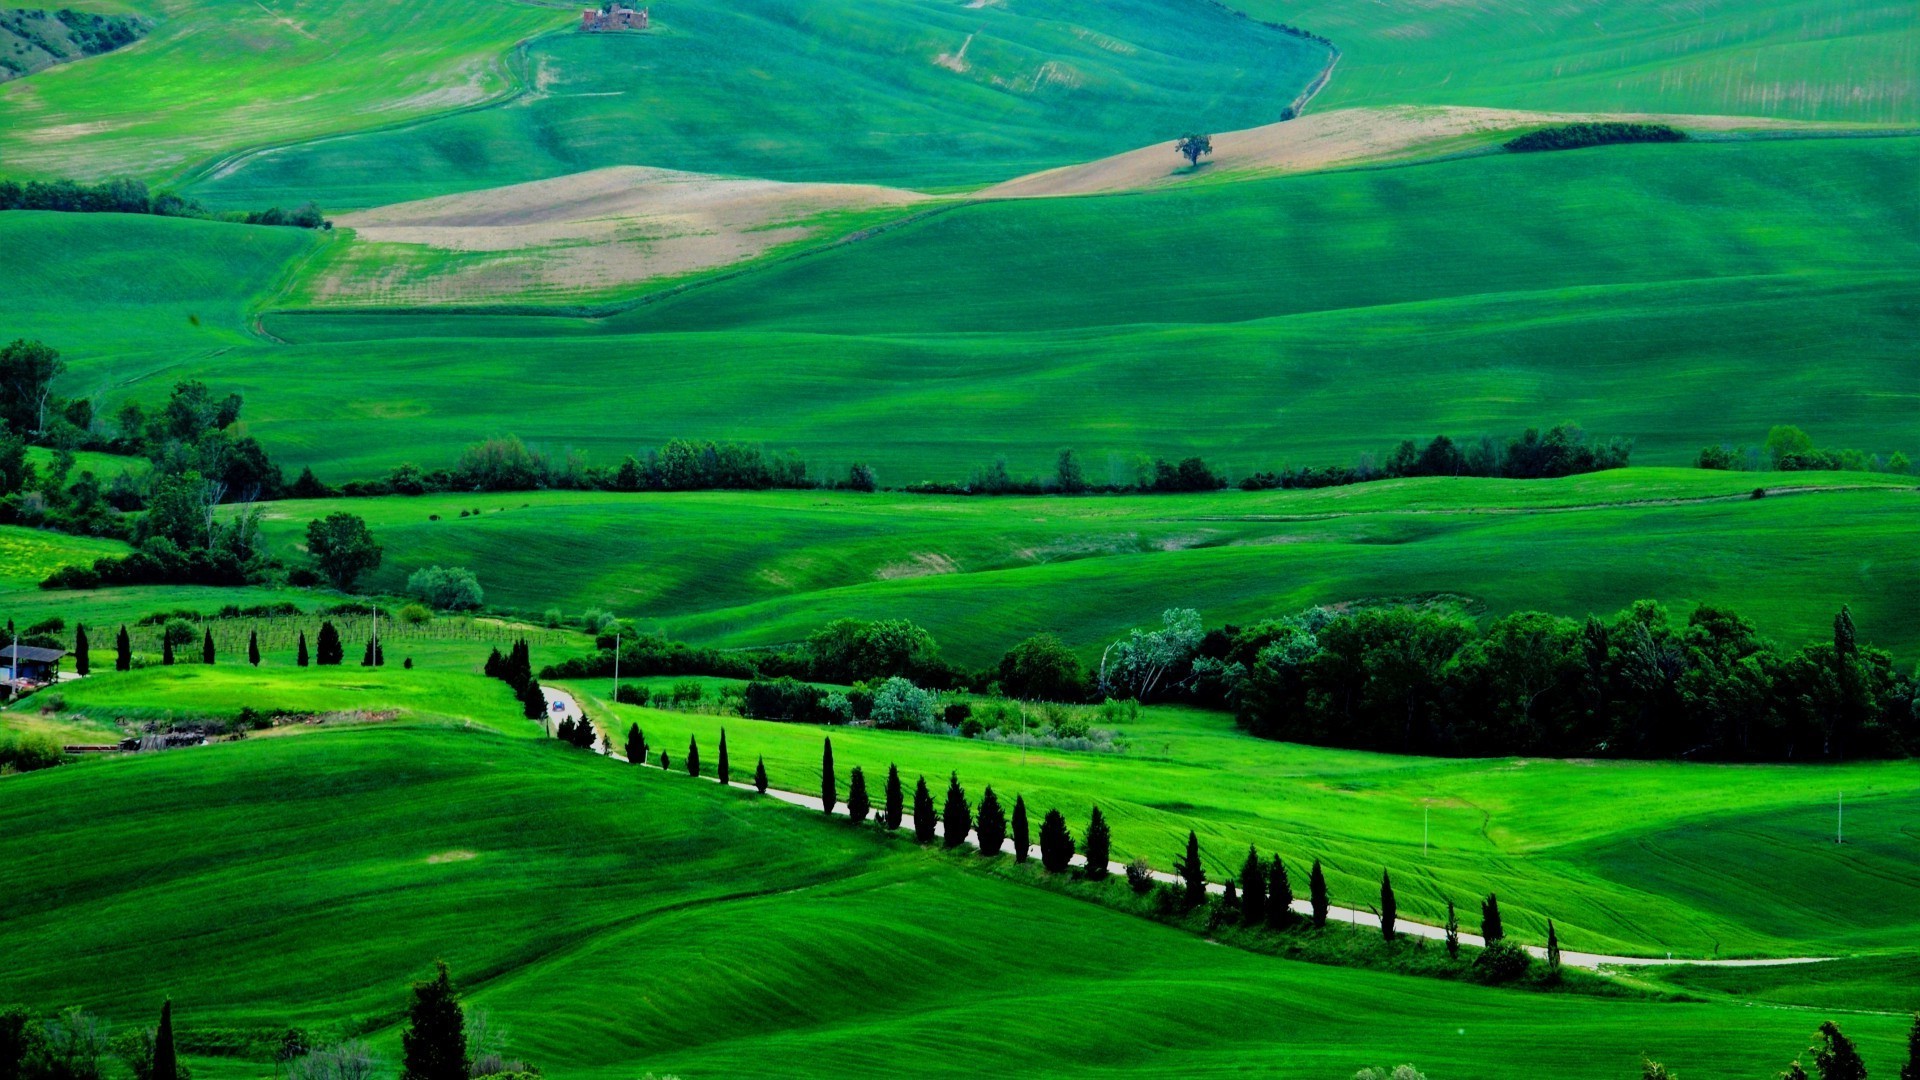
(330, 651)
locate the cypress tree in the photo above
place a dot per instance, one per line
(722, 768)
(1911, 1070)
(1553, 949)
(636, 745)
(434, 1046)
(956, 818)
(533, 703)
(206, 647)
(760, 775)
(1835, 1057)
(693, 756)
(1317, 894)
(1279, 895)
(922, 812)
(253, 647)
(665, 762)
(1056, 843)
(1099, 848)
(82, 661)
(1795, 1071)
(992, 827)
(123, 651)
(858, 805)
(1230, 896)
(166, 648)
(896, 805)
(300, 655)
(1389, 910)
(166, 1066)
(829, 786)
(1193, 874)
(1490, 928)
(1453, 933)
(328, 650)
(1020, 835)
(1253, 890)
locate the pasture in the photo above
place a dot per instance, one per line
(698, 932)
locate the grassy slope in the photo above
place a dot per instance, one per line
(756, 568)
(1802, 59)
(740, 88)
(309, 67)
(1704, 866)
(619, 923)
(1322, 316)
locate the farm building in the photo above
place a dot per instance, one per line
(613, 16)
(24, 667)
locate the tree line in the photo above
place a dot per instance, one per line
(1789, 449)
(128, 196)
(1577, 136)
(1562, 450)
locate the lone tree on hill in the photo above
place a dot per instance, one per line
(1021, 837)
(206, 647)
(1253, 889)
(1490, 928)
(722, 768)
(328, 650)
(253, 647)
(1099, 847)
(636, 748)
(1279, 895)
(123, 651)
(693, 756)
(434, 1046)
(166, 1066)
(829, 784)
(82, 663)
(1056, 843)
(1317, 894)
(300, 654)
(922, 812)
(896, 800)
(956, 817)
(760, 775)
(992, 827)
(1193, 147)
(1389, 910)
(858, 804)
(342, 548)
(1192, 874)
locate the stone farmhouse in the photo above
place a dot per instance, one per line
(613, 16)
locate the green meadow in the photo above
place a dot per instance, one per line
(922, 93)
(614, 920)
(746, 568)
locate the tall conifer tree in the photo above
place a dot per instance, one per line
(1253, 889)
(1099, 846)
(253, 647)
(1021, 838)
(206, 647)
(896, 800)
(829, 784)
(82, 655)
(1389, 908)
(760, 775)
(858, 804)
(166, 1065)
(992, 829)
(721, 767)
(923, 812)
(1193, 874)
(123, 651)
(434, 1046)
(1279, 895)
(1317, 894)
(956, 818)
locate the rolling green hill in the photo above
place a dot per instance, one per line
(922, 92)
(615, 921)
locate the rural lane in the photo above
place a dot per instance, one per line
(570, 709)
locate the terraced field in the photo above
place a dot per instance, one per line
(684, 920)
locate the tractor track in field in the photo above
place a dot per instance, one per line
(1509, 511)
(561, 704)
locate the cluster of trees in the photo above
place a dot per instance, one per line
(515, 668)
(1834, 1058)
(125, 196)
(1562, 450)
(1415, 680)
(1789, 449)
(76, 1045)
(446, 588)
(88, 34)
(1576, 136)
(1150, 475)
(844, 651)
(506, 463)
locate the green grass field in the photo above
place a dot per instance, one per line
(615, 921)
(738, 88)
(982, 573)
(1804, 59)
(308, 68)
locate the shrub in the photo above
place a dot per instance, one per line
(687, 692)
(1140, 876)
(416, 614)
(1501, 962)
(23, 752)
(900, 704)
(630, 694)
(447, 588)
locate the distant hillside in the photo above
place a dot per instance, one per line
(33, 39)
